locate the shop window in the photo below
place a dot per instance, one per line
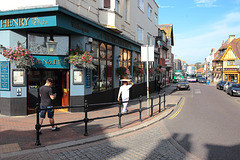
(138, 65)
(37, 43)
(125, 59)
(102, 76)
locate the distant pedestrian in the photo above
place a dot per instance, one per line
(124, 93)
(47, 96)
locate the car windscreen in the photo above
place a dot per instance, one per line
(235, 85)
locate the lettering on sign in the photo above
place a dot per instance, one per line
(77, 26)
(21, 22)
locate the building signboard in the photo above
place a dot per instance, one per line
(27, 22)
(50, 62)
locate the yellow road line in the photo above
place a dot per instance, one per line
(236, 100)
(179, 110)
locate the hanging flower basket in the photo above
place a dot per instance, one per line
(20, 55)
(138, 71)
(81, 59)
(151, 71)
(121, 71)
(158, 70)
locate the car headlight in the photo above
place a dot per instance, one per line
(234, 91)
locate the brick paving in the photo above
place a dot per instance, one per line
(20, 133)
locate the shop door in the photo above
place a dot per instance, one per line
(65, 84)
(37, 78)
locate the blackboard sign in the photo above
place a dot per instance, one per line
(88, 78)
(4, 72)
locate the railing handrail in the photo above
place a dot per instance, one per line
(86, 105)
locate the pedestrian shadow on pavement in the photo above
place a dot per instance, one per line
(68, 133)
(220, 152)
(169, 149)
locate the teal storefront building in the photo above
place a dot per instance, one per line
(32, 28)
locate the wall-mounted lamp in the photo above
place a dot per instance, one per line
(2, 49)
(51, 45)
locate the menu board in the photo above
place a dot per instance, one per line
(4, 72)
(88, 78)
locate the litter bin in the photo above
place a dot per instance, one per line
(207, 82)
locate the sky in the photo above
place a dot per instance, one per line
(199, 25)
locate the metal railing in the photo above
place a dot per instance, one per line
(119, 114)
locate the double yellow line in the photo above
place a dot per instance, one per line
(179, 109)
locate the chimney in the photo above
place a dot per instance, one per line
(231, 37)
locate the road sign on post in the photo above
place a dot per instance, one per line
(147, 54)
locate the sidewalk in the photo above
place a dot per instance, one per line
(18, 134)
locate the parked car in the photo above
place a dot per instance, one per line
(221, 84)
(225, 87)
(183, 84)
(233, 89)
(202, 80)
(199, 76)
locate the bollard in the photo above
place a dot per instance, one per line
(37, 126)
(160, 103)
(164, 99)
(151, 106)
(119, 113)
(86, 117)
(140, 108)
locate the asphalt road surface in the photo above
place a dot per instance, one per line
(207, 123)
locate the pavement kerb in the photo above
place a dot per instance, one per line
(159, 117)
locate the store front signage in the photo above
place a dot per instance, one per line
(4, 72)
(27, 22)
(50, 62)
(231, 69)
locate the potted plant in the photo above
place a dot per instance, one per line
(20, 55)
(81, 59)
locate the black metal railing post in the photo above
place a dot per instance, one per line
(164, 99)
(86, 117)
(140, 108)
(159, 103)
(37, 126)
(119, 113)
(151, 106)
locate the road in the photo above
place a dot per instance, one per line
(206, 123)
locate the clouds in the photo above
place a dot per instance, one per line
(205, 3)
(194, 46)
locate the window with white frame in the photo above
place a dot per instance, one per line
(126, 11)
(149, 12)
(140, 4)
(117, 6)
(155, 19)
(107, 4)
(140, 34)
(231, 62)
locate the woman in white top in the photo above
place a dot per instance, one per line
(124, 91)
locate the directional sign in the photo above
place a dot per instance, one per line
(4, 76)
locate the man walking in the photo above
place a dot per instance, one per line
(124, 91)
(46, 102)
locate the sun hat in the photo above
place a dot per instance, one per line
(125, 80)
